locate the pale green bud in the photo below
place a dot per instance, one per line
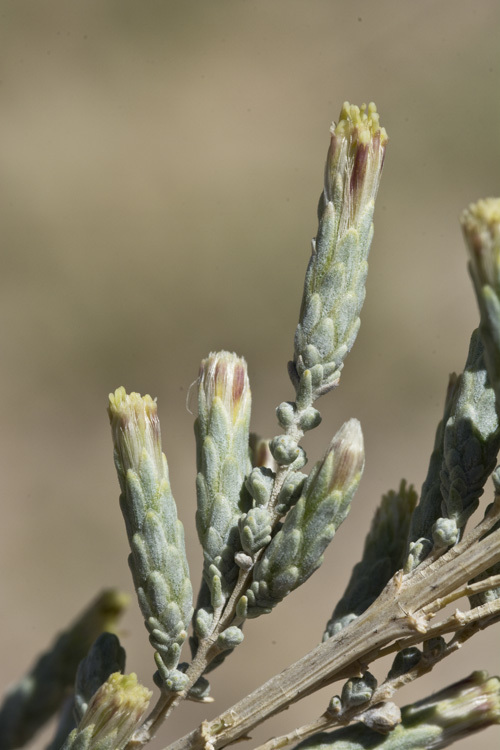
(230, 638)
(114, 713)
(158, 557)
(255, 530)
(445, 532)
(285, 413)
(259, 483)
(223, 458)
(334, 288)
(284, 449)
(296, 551)
(309, 419)
(203, 622)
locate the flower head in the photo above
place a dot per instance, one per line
(116, 710)
(224, 376)
(354, 163)
(481, 227)
(348, 453)
(136, 429)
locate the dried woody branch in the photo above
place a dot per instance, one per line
(400, 612)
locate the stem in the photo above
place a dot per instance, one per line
(396, 614)
(301, 733)
(472, 588)
(381, 695)
(167, 702)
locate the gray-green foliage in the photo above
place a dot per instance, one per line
(296, 550)
(223, 460)
(38, 696)
(436, 722)
(158, 558)
(334, 293)
(465, 451)
(255, 530)
(334, 288)
(429, 507)
(383, 554)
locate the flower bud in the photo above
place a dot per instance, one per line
(348, 453)
(284, 449)
(334, 287)
(481, 227)
(116, 710)
(354, 163)
(223, 458)
(296, 551)
(156, 537)
(224, 376)
(135, 429)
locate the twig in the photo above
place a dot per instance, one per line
(381, 695)
(396, 614)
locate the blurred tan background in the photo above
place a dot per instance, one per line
(161, 164)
